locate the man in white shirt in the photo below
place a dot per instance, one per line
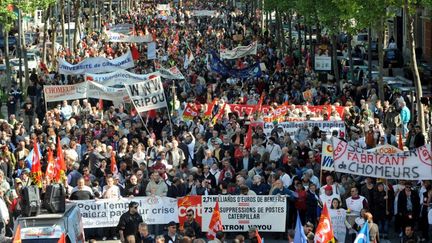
(356, 203)
(328, 196)
(273, 149)
(337, 188)
(284, 177)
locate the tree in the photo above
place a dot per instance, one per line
(410, 7)
(7, 18)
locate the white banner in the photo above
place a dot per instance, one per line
(65, 92)
(121, 77)
(203, 13)
(322, 63)
(239, 213)
(120, 37)
(170, 73)
(293, 127)
(338, 217)
(239, 52)
(106, 212)
(408, 165)
(96, 65)
(147, 95)
(122, 28)
(99, 91)
(151, 51)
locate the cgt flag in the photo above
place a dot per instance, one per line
(324, 231)
(215, 224)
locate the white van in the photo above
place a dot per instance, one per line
(49, 228)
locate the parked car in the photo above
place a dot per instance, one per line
(12, 42)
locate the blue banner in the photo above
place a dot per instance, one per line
(218, 66)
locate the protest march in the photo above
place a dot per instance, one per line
(188, 122)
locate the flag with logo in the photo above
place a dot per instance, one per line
(220, 114)
(363, 236)
(248, 138)
(215, 224)
(60, 167)
(50, 170)
(324, 231)
(190, 112)
(299, 236)
(36, 169)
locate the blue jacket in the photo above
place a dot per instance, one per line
(405, 115)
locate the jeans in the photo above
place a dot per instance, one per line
(383, 226)
(404, 129)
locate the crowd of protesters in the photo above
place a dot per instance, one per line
(173, 157)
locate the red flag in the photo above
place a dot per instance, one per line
(17, 235)
(36, 169)
(113, 164)
(260, 102)
(36, 166)
(208, 112)
(135, 53)
(60, 157)
(248, 138)
(215, 224)
(400, 142)
(219, 115)
(324, 231)
(62, 239)
(258, 236)
(50, 170)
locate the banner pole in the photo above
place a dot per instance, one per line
(145, 125)
(170, 122)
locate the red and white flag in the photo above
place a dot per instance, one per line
(215, 223)
(114, 170)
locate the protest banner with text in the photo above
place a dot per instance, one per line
(239, 213)
(120, 77)
(106, 212)
(96, 65)
(407, 165)
(147, 95)
(293, 127)
(65, 92)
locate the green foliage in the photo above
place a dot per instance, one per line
(7, 17)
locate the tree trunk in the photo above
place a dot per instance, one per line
(45, 34)
(110, 11)
(277, 30)
(299, 40)
(53, 39)
(334, 60)
(290, 43)
(77, 24)
(282, 31)
(350, 58)
(24, 52)
(380, 59)
(414, 68)
(6, 44)
(62, 22)
(370, 54)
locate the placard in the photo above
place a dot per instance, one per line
(147, 95)
(239, 213)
